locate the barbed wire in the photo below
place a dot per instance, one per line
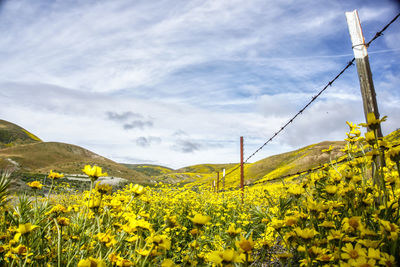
(313, 169)
(350, 63)
(380, 33)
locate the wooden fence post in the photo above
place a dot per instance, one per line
(363, 68)
(366, 82)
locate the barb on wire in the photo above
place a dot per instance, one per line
(380, 33)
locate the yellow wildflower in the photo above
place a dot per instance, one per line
(35, 185)
(232, 230)
(168, 263)
(93, 172)
(245, 244)
(62, 221)
(307, 233)
(103, 188)
(387, 260)
(372, 121)
(200, 219)
(24, 229)
(352, 224)
(352, 253)
(91, 262)
(106, 238)
(55, 175)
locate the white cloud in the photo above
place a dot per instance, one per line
(194, 74)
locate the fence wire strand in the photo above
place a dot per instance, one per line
(350, 63)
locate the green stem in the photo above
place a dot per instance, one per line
(51, 188)
(58, 244)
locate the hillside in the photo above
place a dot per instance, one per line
(149, 169)
(205, 168)
(12, 134)
(275, 166)
(44, 156)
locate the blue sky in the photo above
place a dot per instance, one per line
(178, 82)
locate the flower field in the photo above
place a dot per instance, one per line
(344, 214)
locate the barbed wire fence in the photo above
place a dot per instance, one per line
(314, 98)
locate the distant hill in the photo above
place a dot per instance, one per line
(205, 168)
(44, 156)
(12, 134)
(149, 169)
(23, 151)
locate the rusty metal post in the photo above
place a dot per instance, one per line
(241, 168)
(217, 182)
(223, 180)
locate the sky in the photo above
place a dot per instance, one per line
(176, 83)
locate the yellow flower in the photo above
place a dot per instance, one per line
(91, 262)
(369, 243)
(245, 244)
(372, 121)
(394, 153)
(57, 209)
(391, 229)
(168, 263)
(296, 190)
(200, 219)
(119, 261)
(277, 224)
(353, 253)
(143, 252)
(162, 241)
(387, 260)
(363, 262)
(103, 188)
(62, 221)
(352, 224)
(232, 231)
(331, 189)
(223, 256)
(35, 185)
(106, 238)
(93, 172)
(370, 137)
(55, 175)
(291, 220)
(20, 250)
(374, 254)
(327, 224)
(307, 233)
(137, 189)
(24, 229)
(95, 202)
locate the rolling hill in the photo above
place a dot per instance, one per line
(24, 152)
(149, 169)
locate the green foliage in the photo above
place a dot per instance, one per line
(4, 185)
